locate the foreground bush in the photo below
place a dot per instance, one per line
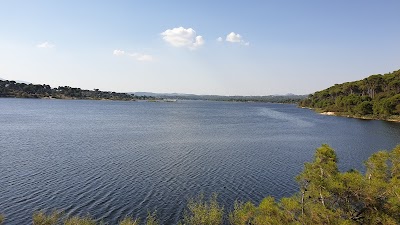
(129, 221)
(202, 212)
(55, 218)
(326, 196)
(79, 221)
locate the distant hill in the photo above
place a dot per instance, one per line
(289, 98)
(375, 97)
(160, 94)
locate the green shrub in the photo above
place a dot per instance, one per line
(152, 219)
(1, 219)
(41, 218)
(79, 221)
(201, 212)
(129, 221)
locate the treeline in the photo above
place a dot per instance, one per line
(377, 96)
(290, 99)
(325, 196)
(13, 89)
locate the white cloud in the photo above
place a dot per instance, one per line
(232, 37)
(219, 39)
(45, 45)
(199, 42)
(181, 37)
(141, 57)
(236, 38)
(118, 52)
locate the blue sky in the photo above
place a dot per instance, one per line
(201, 47)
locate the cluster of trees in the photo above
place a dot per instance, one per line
(377, 96)
(22, 90)
(326, 196)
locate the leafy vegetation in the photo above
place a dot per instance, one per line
(152, 219)
(55, 218)
(326, 196)
(129, 221)
(41, 218)
(202, 212)
(79, 221)
(21, 90)
(377, 96)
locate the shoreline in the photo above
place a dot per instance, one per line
(331, 113)
(148, 100)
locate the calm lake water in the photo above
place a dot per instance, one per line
(110, 159)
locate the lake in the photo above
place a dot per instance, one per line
(111, 159)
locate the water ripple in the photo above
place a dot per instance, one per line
(117, 159)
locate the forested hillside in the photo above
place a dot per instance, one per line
(377, 96)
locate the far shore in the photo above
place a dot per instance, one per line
(367, 117)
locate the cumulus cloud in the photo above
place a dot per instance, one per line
(219, 39)
(236, 38)
(182, 37)
(45, 45)
(118, 52)
(233, 37)
(136, 56)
